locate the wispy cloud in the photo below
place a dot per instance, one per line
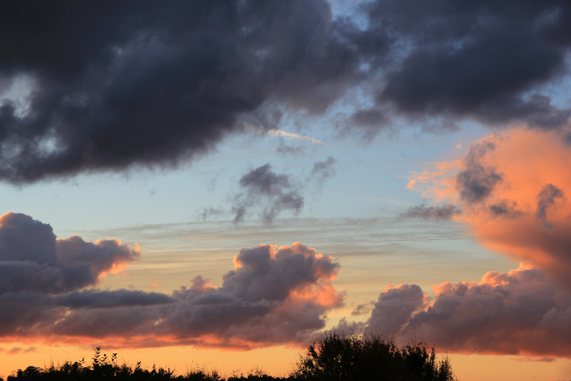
(294, 136)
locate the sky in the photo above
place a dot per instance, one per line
(215, 184)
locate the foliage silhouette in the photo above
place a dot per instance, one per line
(331, 358)
(355, 358)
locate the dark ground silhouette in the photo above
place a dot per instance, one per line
(333, 357)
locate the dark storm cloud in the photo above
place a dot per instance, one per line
(370, 118)
(480, 59)
(112, 85)
(148, 83)
(476, 182)
(432, 212)
(546, 200)
(271, 192)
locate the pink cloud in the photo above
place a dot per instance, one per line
(274, 294)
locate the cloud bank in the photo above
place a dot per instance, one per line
(108, 86)
(521, 312)
(511, 191)
(274, 294)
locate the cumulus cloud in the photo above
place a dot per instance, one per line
(394, 308)
(274, 294)
(522, 311)
(33, 260)
(151, 84)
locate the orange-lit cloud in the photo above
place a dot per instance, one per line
(514, 190)
(274, 295)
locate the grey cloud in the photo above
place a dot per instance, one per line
(287, 269)
(546, 200)
(271, 192)
(373, 119)
(519, 312)
(363, 309)
(255, 304)
(477, 181)
(32, 259)
(505, 209)
(273, 295)
(432, 212)
(478, 59)
(323, 170)
(148, 84)
(110, 299)
(211, 212)
(288, 149)
(393, 310)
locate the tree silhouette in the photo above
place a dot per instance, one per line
(331, 358)
(356, 358)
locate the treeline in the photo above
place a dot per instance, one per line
(332, 358)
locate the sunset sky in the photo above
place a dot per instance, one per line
(215, 183)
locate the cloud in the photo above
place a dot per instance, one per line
(460, 60)
(17, 350)
(522, 312)
(394, 308)
(150, 85)
(293, 135)
(323, 170)
(274, 294)
(432, 212)
(370, 118)
(477, 181)
(274, 192)
(209, 212)
(362, 309)
(33, 260)
(504, 209)
(285, 149)
(513, 199)
(546, 200)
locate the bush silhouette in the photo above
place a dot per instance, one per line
(356, 358)
(331, 358)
